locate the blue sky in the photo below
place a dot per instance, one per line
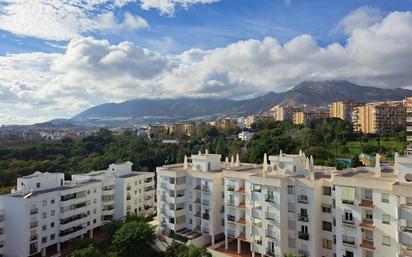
(208, 26)
(59, 57)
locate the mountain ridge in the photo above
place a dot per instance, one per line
(311, 93)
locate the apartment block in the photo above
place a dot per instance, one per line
(306, 117)
(285, 112)
(408, 109)
(341, 110)
(45, 211)
(190, 198)
(124, 191)
(379, 117)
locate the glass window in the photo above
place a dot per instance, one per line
(386, 240)
(386, 219)
(385, 197)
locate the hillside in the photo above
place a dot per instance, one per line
(311, 93)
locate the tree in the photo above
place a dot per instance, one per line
(134, 239)
(89, 251)
(194, 251)
(174, 249)
(355, 162)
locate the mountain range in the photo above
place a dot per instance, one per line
(311, 93)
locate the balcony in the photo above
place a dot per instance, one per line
(348, 240)
(230, 203)
(231, 218)
(270, 216)
(406, 251)
(205, 202)
(241, 190)
(205, 216)
(33, 237)
(197, 201)
(367, 224)
(198, 187)
(34, 211)
(242, 221)
(406, 235)
(367, 244)
(231, 233)
(258, 224)
(303, 235)
(270, 234)
(241, 205)
(242, 236)
(270, 199)
(367, 203)
(197, 214)
(303, 218)
(270, 252)
(348, 202)
(205, 189)
(33, 224)
(303, 253)
(405, 211)
(148, 189)
(230, 188)
(303, 199)
(163, 185)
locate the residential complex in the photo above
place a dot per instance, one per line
(289, 205)
(306, 117)
(342, 110)
(379, 117)
(285, 112)
(45, 211)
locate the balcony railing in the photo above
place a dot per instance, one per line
(230, 188)
(205, 216)
(367, 224)
(367, 244)
(270, 199)
(270, 234)
(198, 187)
(303, 199)
(241, 190)
(231, 232)
(270, 216)
(33, 224)
(303, 235)
(241, 205)
(366, 203)
(205, 202)
(304, 218)
(348, 240)
(205, 188)
(33, 237)
(34, 211)
(270, 252)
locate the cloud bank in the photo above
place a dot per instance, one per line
(94, 71)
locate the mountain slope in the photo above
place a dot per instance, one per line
(312, 93)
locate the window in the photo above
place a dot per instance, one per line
(386, 219)
(52, 212)
(385, 197)
(326, 208)
(94, 190)
(52, 201)
(37, 185)
(94, 221)
(44, 240)
(94, 200)
(190, 207)
(44, 227)
(44, 215)
(94, 211)
(44, 202)
(327, 191)
(291, 190)
(52, 237)
(327, 226)
(88, 192)
(52, 225)
(327, 244)
(386, 240)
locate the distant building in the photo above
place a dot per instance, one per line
(141, 132)
(226, 123)
(175, 129)
(408, 109)
(341, 110)
(285, 112)
(306, 117)
(241, 122)
(256, 118)
(245, 135)
(379, 117)
(154, 130)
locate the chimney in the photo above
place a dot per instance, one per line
(378, 170)
(185, 164)
(237, 160)
(265, 166)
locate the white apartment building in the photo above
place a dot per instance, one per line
(290, 205)
(124, 191)
(45, 211)
(190, 198)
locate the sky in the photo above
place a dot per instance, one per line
(60, 57)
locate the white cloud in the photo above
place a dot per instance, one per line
(360, 18)
(64, 19)
(167, 7)
(94, 71)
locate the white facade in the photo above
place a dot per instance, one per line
(46, 211)
(245, 135)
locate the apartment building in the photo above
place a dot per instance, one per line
(256, 118)
(154, 130)
(45, 211)
(408, 110)
(285, 112)
(124, 191)
(190, 198)
(226, 123)
(306, 117)
(341, 110)
(379, 117)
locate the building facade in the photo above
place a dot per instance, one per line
(378, 118)
(408, 123)
(306, 117)
(45, 211)
(342, 110)
(285, 112)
